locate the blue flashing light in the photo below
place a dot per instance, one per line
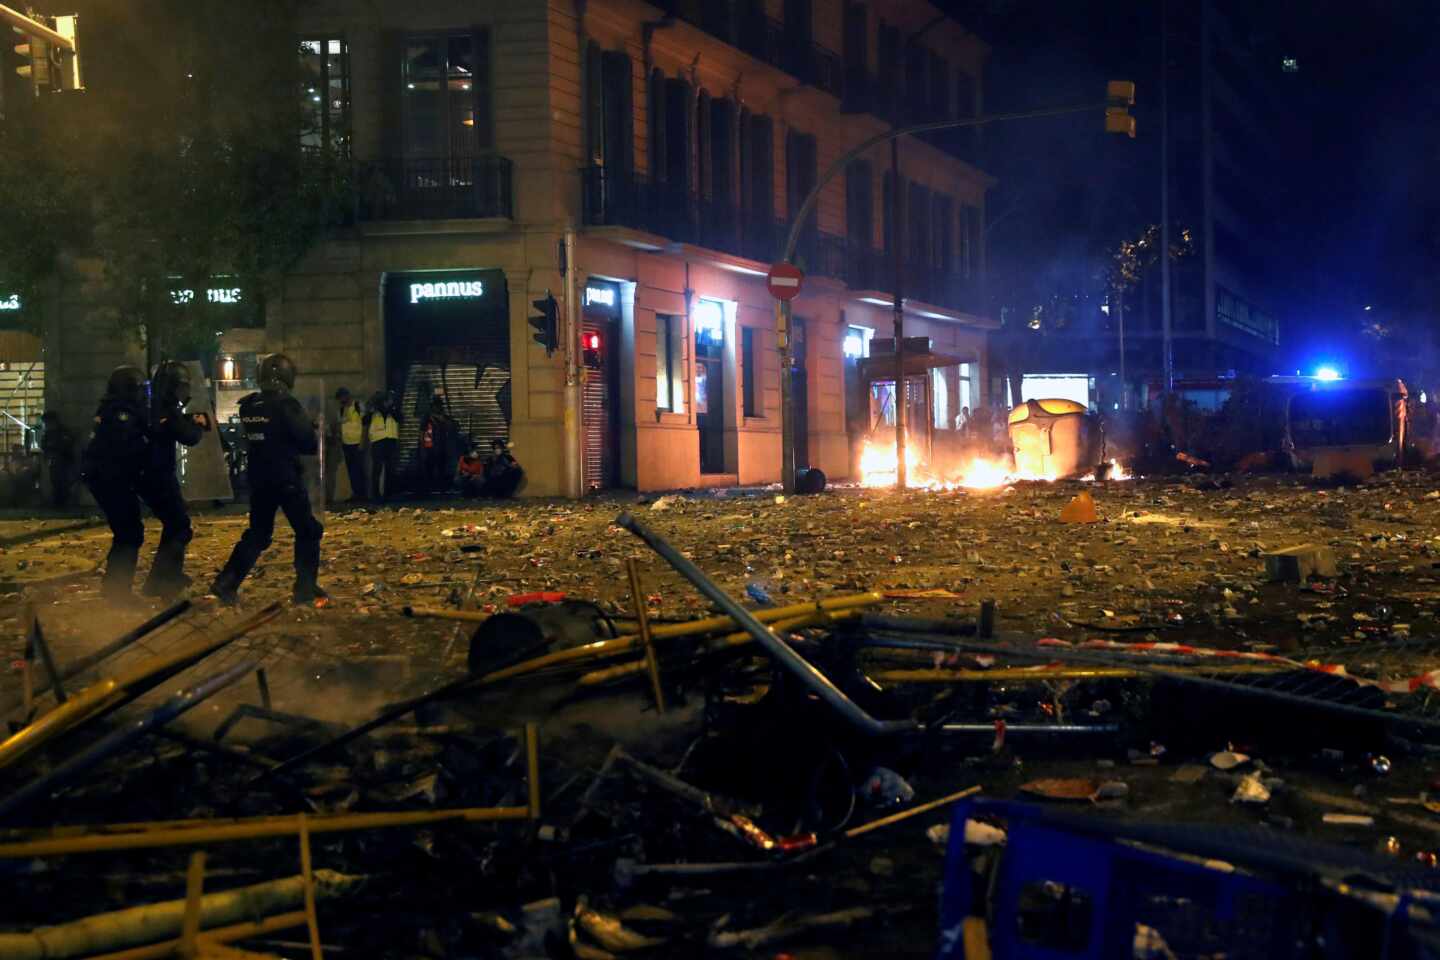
(1327, 373)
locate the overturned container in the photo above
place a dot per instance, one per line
(1054, 439)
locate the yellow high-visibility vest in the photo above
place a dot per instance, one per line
(384, 428)
(352, 427)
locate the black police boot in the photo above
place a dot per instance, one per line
(307, 593)
(119, 575)
(224, 590)
(167, 586)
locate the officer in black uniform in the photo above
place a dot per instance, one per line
(278, 433)
(124, 463)
(159, 486)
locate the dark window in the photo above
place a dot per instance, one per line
(944, 226)
(669, 385)
(860, 206)
(918, 216)
(857, 53)
(887, 214)
(617, 128)
(325, 96)
(718, 18)
(939, 88)
(655, 117)
(722, 151)
(917, 83)
(704, 147)
(969, 240)
(445, 95)
(678, 118)
(799, 33)
(888, 66)
(760, 197)
(750, 373)
(800, 176)
(964, 94)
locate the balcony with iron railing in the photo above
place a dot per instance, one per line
(765, 39)
(444, 188)
(681, 216)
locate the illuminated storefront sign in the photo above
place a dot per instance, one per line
(450, 290)
(11, 302)
(599, 296)
(213, 295)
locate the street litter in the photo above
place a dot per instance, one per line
(1251, 790)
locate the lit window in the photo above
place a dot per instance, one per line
(709, 318)
(325, 97)
(1290, 65)
(857, 342)
(447, 100)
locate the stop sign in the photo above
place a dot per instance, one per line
(783, 281)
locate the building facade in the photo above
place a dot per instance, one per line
(1229, 182)
(640, 164)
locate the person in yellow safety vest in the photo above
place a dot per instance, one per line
(384, 426)
(352, 434)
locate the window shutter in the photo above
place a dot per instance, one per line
(595, 132)
(679, 133)
(656, 120)
(763, 159)
(623, 152)
(722, 151)
(704, 148)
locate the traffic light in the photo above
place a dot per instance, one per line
(1119, 98)
(546, 323)
(591, 344)
(34, 62)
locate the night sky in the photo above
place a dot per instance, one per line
(1364, 145)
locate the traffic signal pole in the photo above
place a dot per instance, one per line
(792, 239)
(34, 29)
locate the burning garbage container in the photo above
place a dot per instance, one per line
(1053, 439)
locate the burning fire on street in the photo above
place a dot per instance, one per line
(878, 462)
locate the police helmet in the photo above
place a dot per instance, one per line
(172, 381)
(126, 381)
(277, 370)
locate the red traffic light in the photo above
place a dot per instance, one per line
(592, 341)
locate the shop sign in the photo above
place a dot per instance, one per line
(599, 296)
(213, 295)
(449, 290)
(11, 302)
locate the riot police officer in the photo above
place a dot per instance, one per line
(159, 485)
(277, 433)
(131, 457)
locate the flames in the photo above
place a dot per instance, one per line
(878, 461)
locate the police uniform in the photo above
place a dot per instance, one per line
(352, 432)
(131, 458)
(160, 487)
(384, 446)
(278, 433)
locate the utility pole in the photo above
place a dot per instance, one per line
(1167, 354)
(897, 208)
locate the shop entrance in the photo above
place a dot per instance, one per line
(447, 341)
(710, 384)
(601, 401)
